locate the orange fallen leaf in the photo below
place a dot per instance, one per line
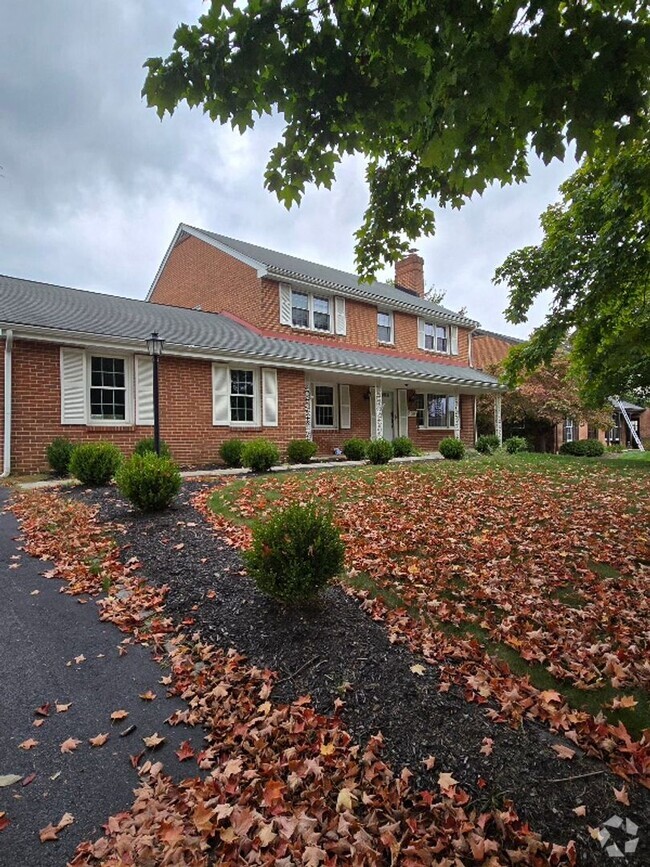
(70, 745)
(580, 811)
(29, 744)
(418, 669)
(119, 714)
(79, 659)
(488, 746)
(429, 762)
(38, 723)
(563, 752)
(446, 781)
(149, 695)
(622, 796)
(185, 751)
(66, 819)
(63, 708)
(98, 741)
(153, 741)
(327, 749)
(49, 832)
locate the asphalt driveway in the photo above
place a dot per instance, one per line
(41, 633)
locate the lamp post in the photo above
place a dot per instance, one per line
(155, 348)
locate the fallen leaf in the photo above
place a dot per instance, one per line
(63, 708)
(66, 819)
(327, 749)
(70, 745)
(28, 779)
(446, 781)
(98, 740)
(418, 669)
(149, 695)
(119, 714)
(622, 796)
(344, 801)
(79, 659)
(429, 762)
(47, 833)
(185, 751)
(488, 746)
(38, 723)
(29, 744)
(44, 709)
(9, 779)
(3, 820)
(563, 752)
(580, 811)
(153, 741)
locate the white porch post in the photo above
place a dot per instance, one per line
(379, 412)
(498, 430)
(457, 417)
(309, 428)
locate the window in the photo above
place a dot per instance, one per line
(435, 337)
(441, 338)
(311, 311)
(435, 410)
(324, 405)
(384, 327)
(242, 396)
(107, 389)
(429, 335)
(569, 433)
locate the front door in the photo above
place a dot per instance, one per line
(389, 415)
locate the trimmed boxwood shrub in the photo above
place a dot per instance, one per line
(260, 455)
(380, 451)
(451, 448)
(514, 445)
(59, 453)
(355, 449)
(583, 448)
(148, 481)
(148, 444)
(95, 463)
(403, 447)
(295, 553)
(301, 451)
(230, 452)
(487, 444)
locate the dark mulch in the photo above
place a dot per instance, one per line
(334, 650)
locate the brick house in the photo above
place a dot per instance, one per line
(257, 343)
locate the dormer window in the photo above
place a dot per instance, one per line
(311, 311)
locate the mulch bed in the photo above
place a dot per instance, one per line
(333, 651)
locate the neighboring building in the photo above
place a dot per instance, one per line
(257, 343)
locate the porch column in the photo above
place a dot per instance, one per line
(498, 430)
(309, 429)
(457, 417)
(379, 412)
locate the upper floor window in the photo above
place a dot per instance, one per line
(311, 311)
(436, 337)
(107, 388)
(435, 410)
(385, 327)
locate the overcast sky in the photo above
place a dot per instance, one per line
(93, 184)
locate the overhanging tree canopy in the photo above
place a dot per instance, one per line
(442, 97)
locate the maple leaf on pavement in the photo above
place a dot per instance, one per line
(119, 714)
(29, 744)
(69, 745)
(153, 741)
(49, 832)
(185, 751)
(149, 695)
(98, 741)
(63, 708)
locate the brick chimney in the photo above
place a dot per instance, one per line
(409, 273)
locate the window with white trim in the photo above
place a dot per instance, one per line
(242, 396)
(311, 311)
(107, 388)
(436, 337)
(324, 406)
(384, 327)
(569, 430)
(435, 410)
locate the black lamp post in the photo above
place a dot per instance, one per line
(155, 348)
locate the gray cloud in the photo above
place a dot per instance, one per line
(94, 184)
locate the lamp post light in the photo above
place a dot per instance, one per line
(155, 348)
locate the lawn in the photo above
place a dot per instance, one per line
(542, 559)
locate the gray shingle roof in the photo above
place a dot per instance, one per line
(282, 265)
(92, 315)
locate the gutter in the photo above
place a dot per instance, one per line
(6, 452)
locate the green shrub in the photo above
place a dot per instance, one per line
(355, 449)
(380, 451)
(451, 448)
(148, 481)
(59, 453)
(230, 452)
(615, 449)
(515, 445)
(583, 448)
(403, 447)
(301, 451)
(260, 455)
(148, 444)
(295, 553)
(95, 463)
(487, 444)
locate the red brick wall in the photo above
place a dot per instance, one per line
(185, 408)
(197, 274)
(328, 440)
(488, 350)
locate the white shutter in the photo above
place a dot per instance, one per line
(454, 340)
(420, 333)
(344, 406)
(269, 397)
(143, 390)
(220, 394)
(73, 386)
(339, 315)
(285, 304)
(403, 412)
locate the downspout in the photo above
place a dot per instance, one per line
(6, 453)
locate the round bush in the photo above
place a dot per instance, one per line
(148, 481)
(146, 445)
(380, 451)
(355, 449)
(59, 453)
(451, 448)
(487, 443)
(295, 553)
(583, 448)
(260, 455)
(230, 452)
(403, 447)
(95, 463)
(514, 445)
(301, 451)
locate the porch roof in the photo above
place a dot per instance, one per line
(66, 315)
